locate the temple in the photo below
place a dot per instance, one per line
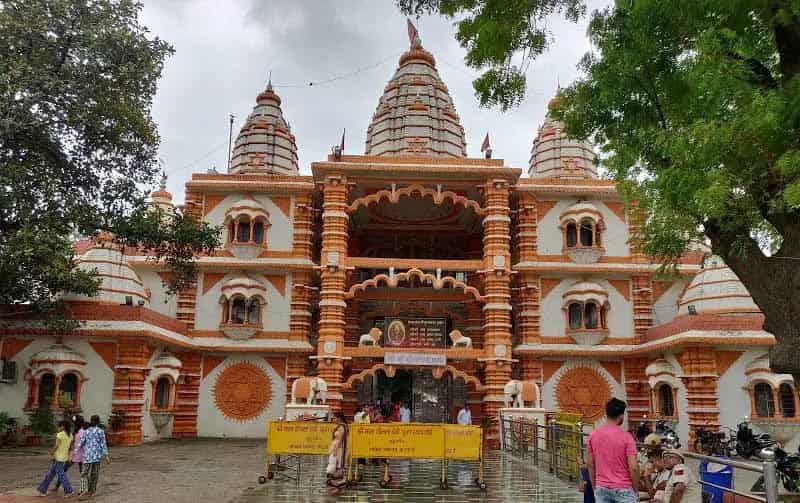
(411, 273)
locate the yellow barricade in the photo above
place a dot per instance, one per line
(299, 437)
(397, 440)
(462, 442)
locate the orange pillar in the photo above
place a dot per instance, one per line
(642, 306)
(130, 373)
(332, 305)
(637, 389)
(700, 379)
(497, 294)
(187, 395)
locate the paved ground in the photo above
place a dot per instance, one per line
(227, 470)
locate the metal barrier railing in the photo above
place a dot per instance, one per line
(559, 450)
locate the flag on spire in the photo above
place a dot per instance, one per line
(412, 31)
(341, 145)
(485, 145)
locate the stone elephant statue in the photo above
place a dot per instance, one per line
(310, 389)
(521, 394)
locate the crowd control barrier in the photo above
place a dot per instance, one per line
(415, 441)
(288, 441)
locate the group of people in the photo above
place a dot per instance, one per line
(612, 471)
(76, 443)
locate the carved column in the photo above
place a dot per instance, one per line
(351, 332)
(332, 305)
(532, 370)
(474, 322)
(303, 226)
(528, 309)
(187, 395)
(300, 318)
(130, 374)
(700, 380)
(295, 368)
(527, 223)
(497, 293)
(637, 389)
(642, 306)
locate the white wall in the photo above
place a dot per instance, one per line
(281, 230)
(274, 315)
(553, 323)
(160, 301)
(212, 423)
(734, 401)
(665, 307)
(95, 393)
(550, 241)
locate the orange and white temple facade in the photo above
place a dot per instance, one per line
(411, 273)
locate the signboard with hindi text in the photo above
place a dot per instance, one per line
(299, 437)
(397, 440)
(415, 333)
(462, 441)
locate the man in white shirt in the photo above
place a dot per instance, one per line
(405, 413)
(682, 485)
(464, 415)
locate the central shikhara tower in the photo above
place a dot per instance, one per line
(411, 273)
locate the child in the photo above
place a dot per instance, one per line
(585, 485)
(60, 455)
(75, 453)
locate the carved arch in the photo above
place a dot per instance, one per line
(389, 370)
(394, 197)
(392, 282)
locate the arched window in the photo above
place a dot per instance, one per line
(231, 232)
(590, 317)
(258, 232)
(68, 389)
(253, 312)
(587, 232)
(786, 397)
(572, 235)
(243, 231)
(47, 388)
(575, 311)
(238, 311)
(765, 400)
(163, 388)
(666, 400)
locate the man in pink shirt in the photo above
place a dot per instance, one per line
(611, 459)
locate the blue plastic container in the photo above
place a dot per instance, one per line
(721, 475)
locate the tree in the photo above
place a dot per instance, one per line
(78, 146)
(696, 107)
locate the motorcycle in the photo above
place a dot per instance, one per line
(713, 443)
(748, 444)
(668, 436)
(788, 468)
(642, 430)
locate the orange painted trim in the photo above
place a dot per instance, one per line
(12, 346)
(636, 350)
(405, 264)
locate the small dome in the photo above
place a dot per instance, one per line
(246, 207)
(58, 358)
(117, 279)
(167, 360)
(415, 116)
(265, 144)
(717, 290)
(660, 367)
(554, 155)
(583, 291)
(579, 211)
(245, 286)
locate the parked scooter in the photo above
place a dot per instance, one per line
(748, 444)
(713, 443)
(788, 468)
(668, 436)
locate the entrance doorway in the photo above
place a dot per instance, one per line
(431, 400)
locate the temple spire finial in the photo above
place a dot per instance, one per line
(163, 185)
(269, 81)
(413, 34)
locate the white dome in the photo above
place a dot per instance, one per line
(717, 290)
(415, 115)
(579, 211)
(245, 286)
(58, 358)
(246, 207)
(583, 291)
(554, 155)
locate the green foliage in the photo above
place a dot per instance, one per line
(78, 145)
(42, 422)
(5, 420)
(495, 33)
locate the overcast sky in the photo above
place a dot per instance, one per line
(224, 51)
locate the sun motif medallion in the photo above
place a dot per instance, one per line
(583, 391)
(242, 391)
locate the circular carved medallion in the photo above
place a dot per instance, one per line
(583, 391)
(242, 391)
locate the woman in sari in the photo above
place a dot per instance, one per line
(336, 470)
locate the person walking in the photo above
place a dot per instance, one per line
(611, 459)
(585, 484)
(93, 444)
(405, 413)
(337, 454)
(464, 415)
(75, 454)
(59, 456)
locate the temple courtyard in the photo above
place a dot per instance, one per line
(227, 470)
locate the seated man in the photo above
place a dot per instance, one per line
(682, 485)
(655, 475)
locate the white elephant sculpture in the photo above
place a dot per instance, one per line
(371, 338)
(460, 340)
(519, 393)
(310, 389)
